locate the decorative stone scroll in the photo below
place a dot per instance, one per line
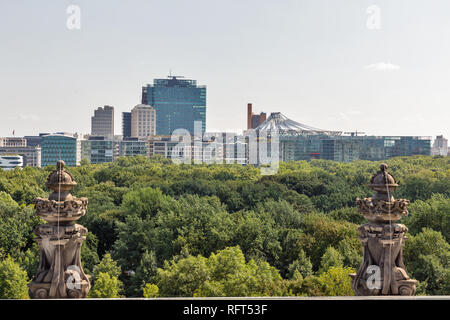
(382, 271)
(60, 273)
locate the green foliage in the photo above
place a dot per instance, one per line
(150, 291)
(105, 286)
(433, 213)
(13, 280)
(89, 255)
(223, 274)
(182, 278)
(107, 265)
(151, 213)
(336, 281)
(16, 225)
(427, 258)
(302, 265)
(331, 258)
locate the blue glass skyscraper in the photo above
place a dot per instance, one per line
(178, 103)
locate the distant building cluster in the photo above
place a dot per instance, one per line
(173, 110)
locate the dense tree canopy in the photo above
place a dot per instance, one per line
(163, 229)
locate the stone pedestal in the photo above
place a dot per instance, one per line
(60, 273)
(382, 271)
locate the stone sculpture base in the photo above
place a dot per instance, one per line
(383, 271)
(60, 274)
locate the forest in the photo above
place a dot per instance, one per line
(159, 229)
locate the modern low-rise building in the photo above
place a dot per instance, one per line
(31, 155)
(97, 149)
(301, 142)
(130, 147)
(61, 146)
(11, 162)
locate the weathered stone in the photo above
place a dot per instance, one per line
(60, 273)
(382, 271)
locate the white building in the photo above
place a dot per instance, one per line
(143, 121)
(440, 146)
(31, 155)
(11, 162)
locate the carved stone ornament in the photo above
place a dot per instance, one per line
(60, 273)
(382, 271)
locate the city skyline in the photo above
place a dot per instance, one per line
(317, 62)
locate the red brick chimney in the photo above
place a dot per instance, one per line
(249, 116)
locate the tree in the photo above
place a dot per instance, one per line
(336, 281)
(331, 258)
(89, 255)
(182, 278)
(105, 286)
(150, 291)
(432, 213)
(427, 258)
(302, 265)
(13, 280)
(107, 265)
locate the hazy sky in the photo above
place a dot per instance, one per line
(319, 62)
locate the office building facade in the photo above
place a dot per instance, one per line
(130, 147)
(178, 104)
(126, 124)
(102, 123)
(31, 155)
(65, 147)
(143, 121)
(440, 146)
(11, 162)
(301, 142)
(98, 149)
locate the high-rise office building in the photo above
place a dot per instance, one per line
(102, 123)
(178, 103)
(143, 121)
(61, 146)
(126, 124)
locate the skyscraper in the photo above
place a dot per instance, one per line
(178, 103)
(126, 124)
(143, 119)
(102, 123)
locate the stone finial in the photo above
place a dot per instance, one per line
(383, 183)
(61, 182)
(382, 271)
(60, 273)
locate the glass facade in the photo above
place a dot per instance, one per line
(98, 151)
(60, 147)
(126, 124)
(178, 103)
(350, 148)
(132, 147)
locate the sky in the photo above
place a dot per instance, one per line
(379, 67)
